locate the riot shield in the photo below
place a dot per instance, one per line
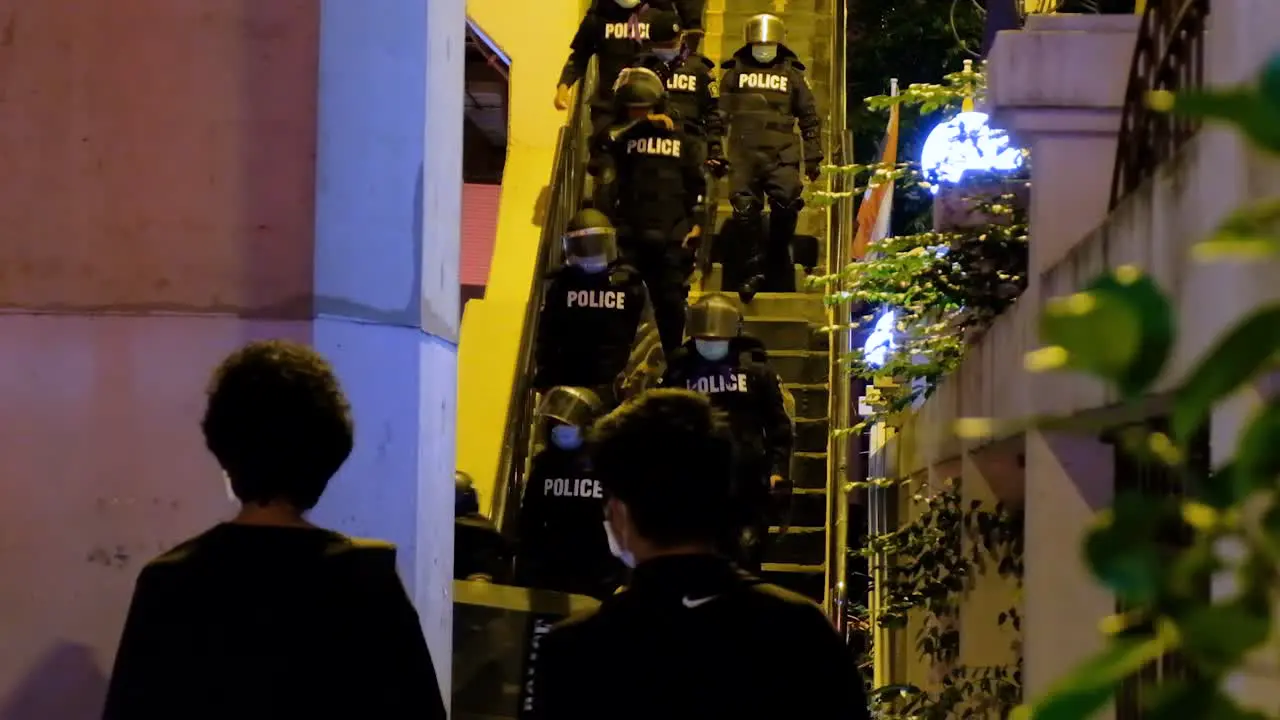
(496, 629)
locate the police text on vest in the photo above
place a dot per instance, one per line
(626, 31)
(572, 487)
(763, 81)
(710, 385)
(667, 147)
(611, 299)
(688, 83)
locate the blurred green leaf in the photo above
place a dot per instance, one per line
(1093, 684)
(1218, 636)
(1243, 107)
(1249, 233)
(1269, 81)
(1122, 549)
(1200, 698)
(1257, 461)
(1238, 357)
(1120, 328)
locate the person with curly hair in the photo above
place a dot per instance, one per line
(268, 616)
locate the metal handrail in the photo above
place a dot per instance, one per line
(1168, 55)
(839, 234)
(566, 190)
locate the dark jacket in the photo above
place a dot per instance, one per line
(693, 638)
(611, 34)
(761, 105)
(659, 182)
(691, 94)
(261, 623)
(597, 330)
(562, 542)
(749, 392)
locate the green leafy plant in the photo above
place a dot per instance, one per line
(928, 565)
(944, 287)
(1121, 329)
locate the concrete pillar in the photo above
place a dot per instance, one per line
(1070, 478)
(170, 195)
(1069, 119)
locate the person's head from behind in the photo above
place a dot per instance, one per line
(639, 92)
(278, 423)
(664, 461)
(466, 501)
(567, 413)
(664, 33)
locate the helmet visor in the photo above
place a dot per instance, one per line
(592, 242)
(571, 406)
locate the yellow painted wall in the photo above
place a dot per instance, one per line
(536, 36)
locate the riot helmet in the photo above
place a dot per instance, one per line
(566, 412)
(713, 324)
(627, 4)
(590, 242)
(714, 317)
(465, 499)
(763, 34)
(638, 91)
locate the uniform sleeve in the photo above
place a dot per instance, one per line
(581, 50)
(546, 346)
(805, 108)
(647, 362)
(695, 185)
(709, 111)
(531, 501)
(779, 434)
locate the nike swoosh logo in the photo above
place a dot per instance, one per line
(697, 602)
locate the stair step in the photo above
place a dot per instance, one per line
(799, 366)
(792, 568)
(811, 400)
(811, 435)
(809, 584)
(800, 546)
(782, 333)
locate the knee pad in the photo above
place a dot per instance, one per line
(746, 206)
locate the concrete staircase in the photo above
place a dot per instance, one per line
(786, 322)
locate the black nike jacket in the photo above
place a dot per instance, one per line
(694, 638)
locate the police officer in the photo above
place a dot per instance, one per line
(691, 87)
(659, 188)
(562, 543)
(750, 393)
(613, 32)
(763, 95)
(691, 637)
(597, 325)
(479, 550)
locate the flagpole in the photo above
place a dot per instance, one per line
(878, 521)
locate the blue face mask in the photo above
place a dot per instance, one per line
(591, 265)
(666, 54)
(566, 437)
(712, 350)
(764, 53)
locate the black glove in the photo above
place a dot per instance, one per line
(812, 169)
(718, 166)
